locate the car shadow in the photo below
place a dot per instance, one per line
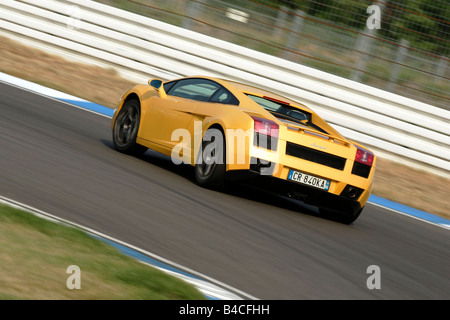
(233, 188)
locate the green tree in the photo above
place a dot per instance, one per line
(424, 23)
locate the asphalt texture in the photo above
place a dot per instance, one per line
(60, 159)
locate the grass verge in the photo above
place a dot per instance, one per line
(35, 254)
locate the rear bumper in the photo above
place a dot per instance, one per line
(309, 195)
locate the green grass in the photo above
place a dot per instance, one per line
(35, 254)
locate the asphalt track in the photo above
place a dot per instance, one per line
(60, 159)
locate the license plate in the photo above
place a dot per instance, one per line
(309, 180)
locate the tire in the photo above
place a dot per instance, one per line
(126, 127)
(342, 217)
(209, 171)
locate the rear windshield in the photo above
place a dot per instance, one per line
(282, 109)
(286, 112)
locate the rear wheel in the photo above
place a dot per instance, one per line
(126, 127)
(210, 166)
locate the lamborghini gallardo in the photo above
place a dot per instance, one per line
(232, 131)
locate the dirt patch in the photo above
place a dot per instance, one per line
(102, 86)
(393, 181)
(415, 188)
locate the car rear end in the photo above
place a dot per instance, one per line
(309, 161)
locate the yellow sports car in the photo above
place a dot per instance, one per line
(231, 131)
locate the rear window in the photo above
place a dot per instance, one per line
(281, 109)
(286, 112)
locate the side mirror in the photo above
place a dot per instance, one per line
(158, 85)
(155, 83)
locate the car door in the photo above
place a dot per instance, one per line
(176, 111)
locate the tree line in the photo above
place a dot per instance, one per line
(424, 23)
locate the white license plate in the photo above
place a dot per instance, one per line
(309, 180)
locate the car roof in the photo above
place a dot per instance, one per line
(248, 89)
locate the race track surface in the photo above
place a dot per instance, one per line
(60, 159)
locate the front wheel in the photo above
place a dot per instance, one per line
(126, 127)
(210, 166)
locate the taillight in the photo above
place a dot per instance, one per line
(266, 127)
(364, 156)
(266, 133)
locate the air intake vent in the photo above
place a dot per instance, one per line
(361, 169)
(316, 156)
